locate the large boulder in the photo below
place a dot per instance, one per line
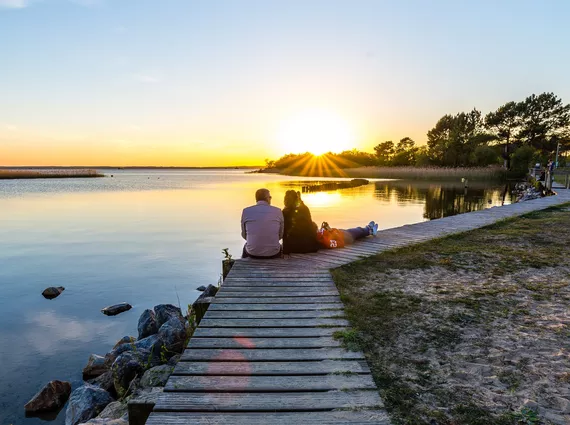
(127, 366)
(156, 376)
(114, 410)
(95, 366)
(164, 312)
(147, 324)
(105, 381)
(85, 403)
(51, 397)
(113, 310)
(173, 335)
(52, 292)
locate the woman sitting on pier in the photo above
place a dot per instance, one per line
(300, 232)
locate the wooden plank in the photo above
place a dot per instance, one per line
(264, 332)
(295, 292)
(323, 367)
(267, 402)
(277, 278)
(276, 307)
(244, 342)
(270, 284)
(271, 323)
(269, 355)
(340, 417)
(269, 383)
(276, 300)
(309, 314)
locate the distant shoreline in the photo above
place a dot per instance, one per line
(110, 167)
(19, 174)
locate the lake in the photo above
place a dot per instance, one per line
(148, 237)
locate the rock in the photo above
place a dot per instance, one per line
(201, 288)
(105, 381)
(125, 368)
(147, 324)
(125, 340)
(51, 397)
(165, 312)
(156, 376)
(173, 335)
(152, 344)
(85, 403)
(104, 421)
(114, 410)
(174, 359)
(95, 366)
(52, 292)
(113, 310)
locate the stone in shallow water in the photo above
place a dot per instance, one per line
(85, 403)
(201, 288)
(113, 310)
(52, 292)
(51, 397)
(95, 366)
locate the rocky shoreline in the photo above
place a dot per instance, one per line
(133, 373)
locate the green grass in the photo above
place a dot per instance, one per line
(485, 287)
(48, 174)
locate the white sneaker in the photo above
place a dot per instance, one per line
(373, 228)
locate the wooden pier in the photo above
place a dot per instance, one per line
(265, 352)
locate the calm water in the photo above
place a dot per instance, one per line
(146, 237)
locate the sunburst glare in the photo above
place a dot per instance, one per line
(315, 131)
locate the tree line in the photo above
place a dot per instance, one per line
(516, 135)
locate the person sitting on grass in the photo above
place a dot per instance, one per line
(301, 234)
(262, 227)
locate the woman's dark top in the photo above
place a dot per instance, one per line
(300, 233)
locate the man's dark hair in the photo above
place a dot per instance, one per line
(261, 195)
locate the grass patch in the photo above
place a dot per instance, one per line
(432, 317)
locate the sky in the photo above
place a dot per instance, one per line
(233, 82)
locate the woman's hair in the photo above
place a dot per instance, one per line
(291, 199)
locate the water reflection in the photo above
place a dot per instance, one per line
(443, 199)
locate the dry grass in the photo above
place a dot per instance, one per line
(471, 329)
(48, 174)
(427, 173)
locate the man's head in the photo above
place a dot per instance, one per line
(263, 195)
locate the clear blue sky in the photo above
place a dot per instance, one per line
(210, 82)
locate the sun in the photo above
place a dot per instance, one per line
(315, 131)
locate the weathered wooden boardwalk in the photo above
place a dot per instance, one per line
(265, 352)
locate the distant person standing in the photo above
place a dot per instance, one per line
(262, 227)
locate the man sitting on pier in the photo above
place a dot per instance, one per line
(262, 227)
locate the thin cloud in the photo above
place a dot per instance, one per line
(144, 78)
(14, 4)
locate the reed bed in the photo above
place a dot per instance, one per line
(48, 174)
(410, 173)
